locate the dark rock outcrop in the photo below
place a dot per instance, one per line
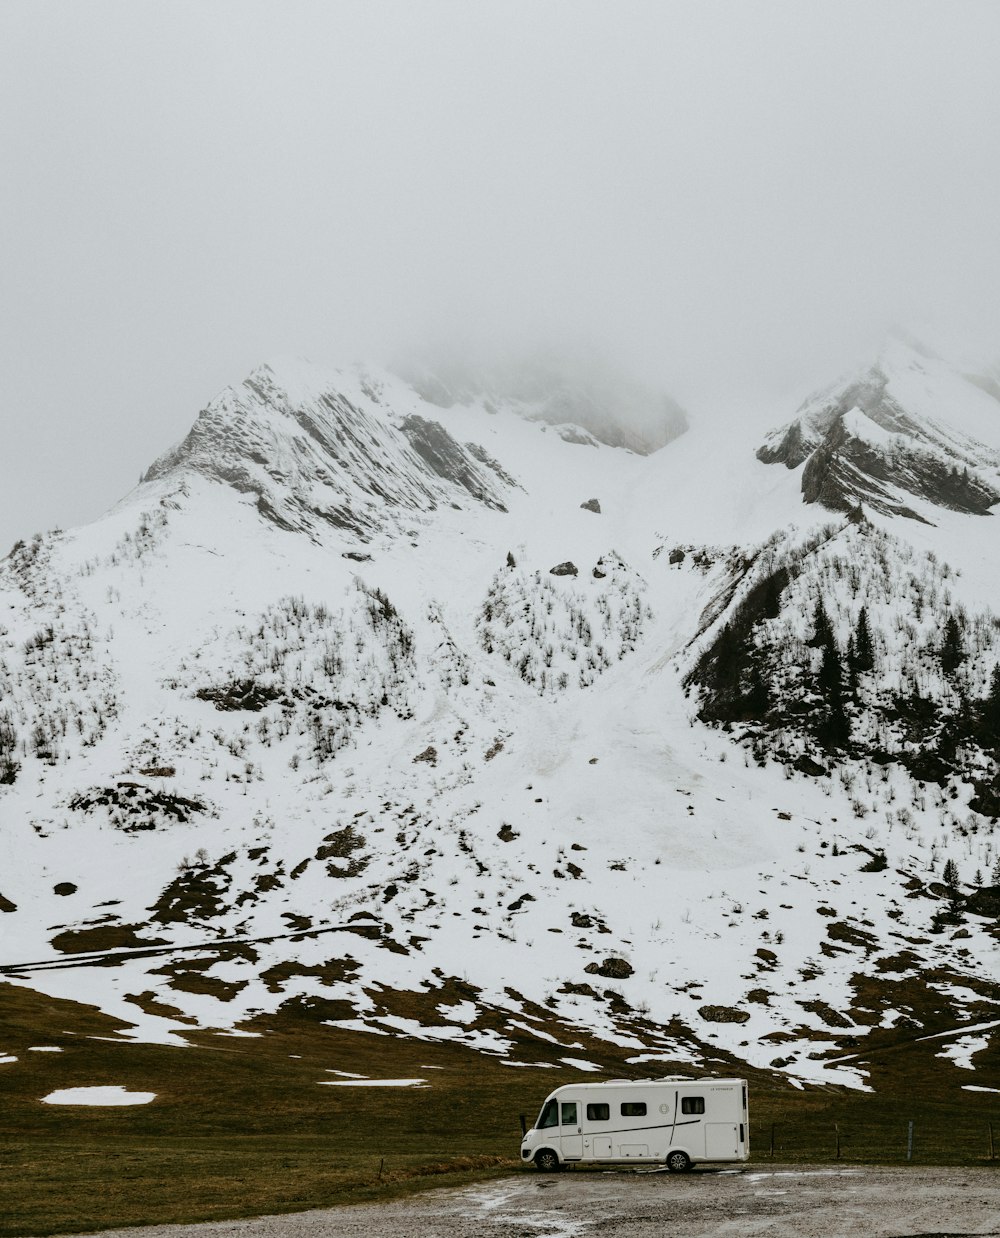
(613, 968)
(723, 1014)
(861, 445)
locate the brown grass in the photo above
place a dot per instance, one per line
(241, 1126)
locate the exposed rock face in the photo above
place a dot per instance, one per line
(564, 569)
(315, 458)
(592, 505)
(871, 442)
(847, 468)
(447, 458)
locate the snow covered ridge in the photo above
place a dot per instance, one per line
(318, 452)
(906, 437)
(432, 771)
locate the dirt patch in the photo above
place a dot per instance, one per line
(103, 937)
(802, 1202)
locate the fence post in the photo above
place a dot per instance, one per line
(772, 1141)
(836, 1127)
(909, 1141)
(992, 1154)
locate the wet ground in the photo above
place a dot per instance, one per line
(777, 1202)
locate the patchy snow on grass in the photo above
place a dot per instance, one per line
(464, 1012)
(962, 1051)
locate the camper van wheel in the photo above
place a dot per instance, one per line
(678, 1162)
(546, 1160)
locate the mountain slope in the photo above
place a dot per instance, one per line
(462, 764)
(583, 398)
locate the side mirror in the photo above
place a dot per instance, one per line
(524, 1125)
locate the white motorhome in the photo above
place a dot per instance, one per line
(672, 1122)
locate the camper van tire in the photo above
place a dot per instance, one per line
(678, 1162)
(547, 1161)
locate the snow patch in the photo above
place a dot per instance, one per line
(103, 1095)
(374, 1083)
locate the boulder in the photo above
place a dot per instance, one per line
(613, 968)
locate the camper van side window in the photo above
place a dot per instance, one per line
(693, 1104)
(598, 1113)
(633, 1109)
(549, 1115)
(569, 1113)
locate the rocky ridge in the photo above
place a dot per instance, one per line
(885, 439)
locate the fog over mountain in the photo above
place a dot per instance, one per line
(730, 201)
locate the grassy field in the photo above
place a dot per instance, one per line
(240, 1126)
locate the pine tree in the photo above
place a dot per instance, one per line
(822, 631)
(950, 874)
(728, 659)
(831, 675)
(864, 649)
(771, 602)
(991, 706)
(757, 699)
(835, 728)
(852, 668)
(952, 652)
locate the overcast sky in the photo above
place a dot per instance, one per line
(728, 196)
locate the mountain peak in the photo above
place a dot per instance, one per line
(321, 449)
(908, 434)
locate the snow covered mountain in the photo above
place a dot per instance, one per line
(909, 428)
(444, 721)
(310, 454)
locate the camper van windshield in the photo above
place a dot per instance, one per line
(549, 1115)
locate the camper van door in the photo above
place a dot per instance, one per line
(722, 1141)
(571, 1130)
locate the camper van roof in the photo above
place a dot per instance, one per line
(669, 1081)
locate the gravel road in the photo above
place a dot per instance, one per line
(777, 1202)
